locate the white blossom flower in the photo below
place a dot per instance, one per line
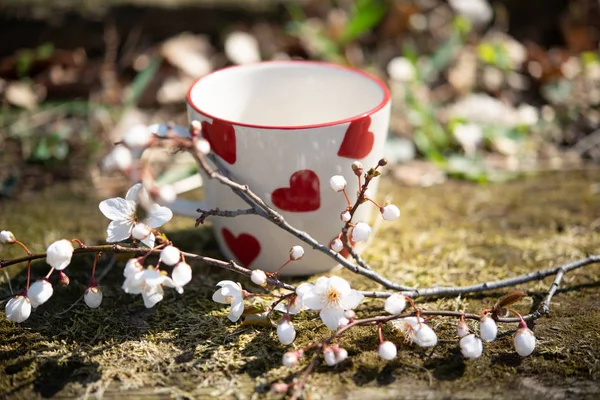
(471, 346)
(170, 255)
(462, 329)
(401, 69)
(286, 332)
(59, 253)
(123, 215)
(7, 237)
(395, 304)
(259, 277)
(133, 276)
(387, 350)
(93, 297)
(337, 245)
(338, 183)
(152, 282)
(181, 275)
(120, 158)
(329, 356)
(360, 232)
(524, 341)
(345, 216)
(230, 293)
(202, 146)
(487, 328)
(296, 252)
(330, 295)
(141, 231)
(18, 309)
(406, 326)
(137, 137)
(390, 212)
(39, 292)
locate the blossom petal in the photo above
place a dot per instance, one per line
(232, 286)
(115, 209)
(331, 317)
(340, 284)
(237, 309)
(149, 240)
(322, 283)
(312, 300)
(168, 282)
(158, 216)
(351, 300)
(133, 192)
(152, 297)
(118, 231)
(219, 297)
(304, 288)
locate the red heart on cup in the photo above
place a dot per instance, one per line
(244, 247)
(303, 195)
(221, 136)
(358, 141)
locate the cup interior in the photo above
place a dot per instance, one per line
(287, 94)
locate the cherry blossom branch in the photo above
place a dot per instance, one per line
(220, 213)
(116, 248)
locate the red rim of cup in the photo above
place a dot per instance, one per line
(384, 101)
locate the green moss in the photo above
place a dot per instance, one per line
(456, 233)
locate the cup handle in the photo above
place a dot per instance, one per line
(186, 208)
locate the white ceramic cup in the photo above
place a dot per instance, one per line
(284, 128)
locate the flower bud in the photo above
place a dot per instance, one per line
(462, 329)
(63, 279)
(286, 332)
(196, 125)
(202, 146)
(181, 275)
(170, 255)
(138, 137)
(296, 252)
(471, 346)
(349, 315)
(387, 350)
(279, 388)
(383, 162)
(59, 253)
(18, 309)
(390, 212)
(395, 304)
(357, 167)
(329, 356)
(93, 297)
(140, 231)
(524, 340)
(337, 245)
(345, 216)
(259, 277)
(291, 358)
(340, 354)
(132, 267)
(425, 336)
(338, 183)
(487, 328)
(7, 237)
(360, 232)
(39, 292)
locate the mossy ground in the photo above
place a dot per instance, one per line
(456, 233)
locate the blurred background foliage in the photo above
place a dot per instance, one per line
(482, 90)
